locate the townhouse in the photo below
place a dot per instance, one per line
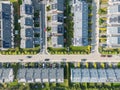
(56, 23)
(26, 13)
(6, 75)
(80, 19)
(95, 75)
(6, 25)
(41, 75)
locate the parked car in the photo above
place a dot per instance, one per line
(109, 55)
(47, 59)
(103, 55)
(29, 56)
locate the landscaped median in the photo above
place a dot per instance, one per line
(70, 50)
(18, 51)
(109, 51)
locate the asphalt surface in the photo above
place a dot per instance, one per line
(42, 18)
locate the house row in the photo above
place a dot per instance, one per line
(26, 22)
(56, 22)
(28, 30)
(41, 75)
(80, 19)
(113, 24)
(6, 25)
(95, 75)
(31, 75)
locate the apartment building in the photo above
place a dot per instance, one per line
(80, 19)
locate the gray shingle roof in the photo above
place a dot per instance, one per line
(6, 20)
(29, 74)
(52, 74)
(37, 73)
(95, 75)
(44, 73)
(75, 75)
(60, 75)
(41, 75)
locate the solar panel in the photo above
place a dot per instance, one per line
(6, 44)
(60, 40)
(85, 41)
(6, 8)
(118, 29)
(119, 19)
(29, 32)
(28, 9)
(29, 43)
(118, 40)
(54, 6)
(29, 21)
(60, 19)
(60, 28)
(118, 8)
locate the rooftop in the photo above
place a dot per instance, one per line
(75, 75)
(52, 74)
(29, 32)
(37, 73)
(28, 9)
(28, 21)
(44, 73)
(93, 73)
(29, 43)
(57, 41)
(113, 41)
(117, 73)
(6, 20)
(102, 73)
(114, 30)
(57, 4)
(29, 74)
(114, 19)
(85, 73)
(41, 74)
(80, 10)
(114, 9)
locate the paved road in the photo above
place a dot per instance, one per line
(95, 27)
(58, 58)
(42, 18)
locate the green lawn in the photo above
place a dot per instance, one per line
(12, 1)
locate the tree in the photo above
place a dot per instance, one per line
(48, 28)
(48, 8)
(48, 18)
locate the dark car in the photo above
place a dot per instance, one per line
(29, 56)
(103, 55)
(109, 55)
(47, 59)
